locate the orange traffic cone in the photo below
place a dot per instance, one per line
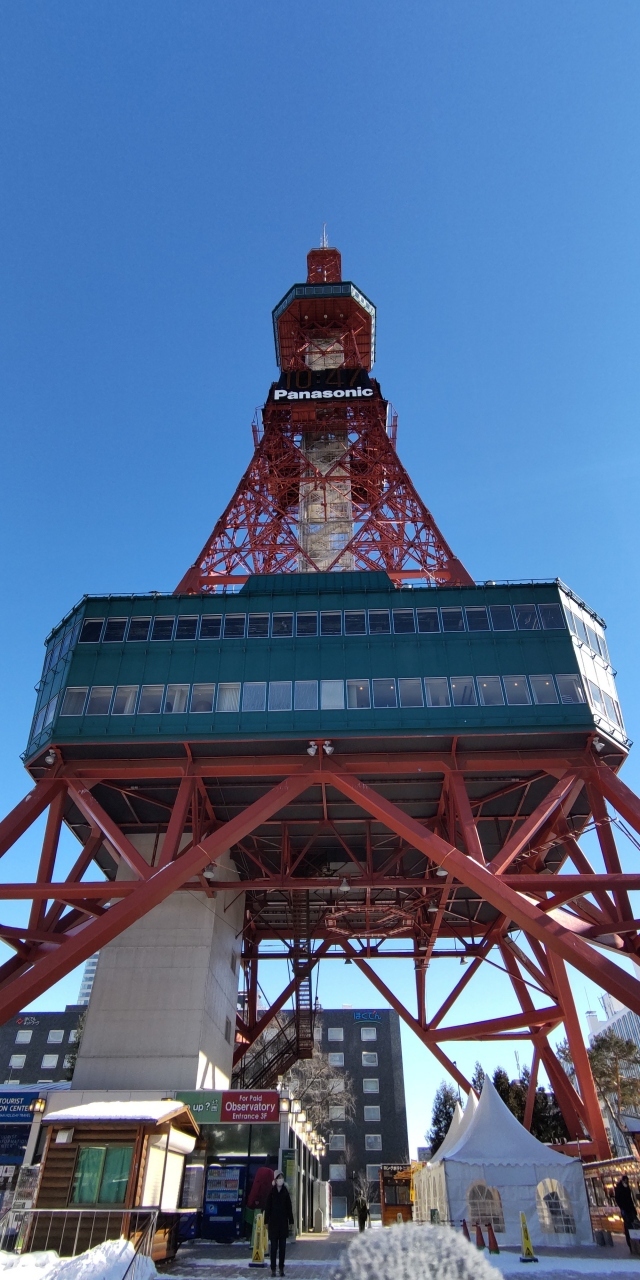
(465, 1230)
(480, 1244)
(491, 1237)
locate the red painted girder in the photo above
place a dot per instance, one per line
(531, 825)
(465, 817)
(19, 991)
(501, 896)
(618, 794)
(274, 1008)
(88, 805)
(30, 807)
(269, 767)
(511, 1022)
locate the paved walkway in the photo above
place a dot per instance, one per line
(313, 1257)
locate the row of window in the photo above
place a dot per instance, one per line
(313, 695)
(49, 1061)
(55, 1036)
(372, 1142)
(338, 1173)
(371, 1113)
(588, 634)
(336, 1034)
(333, 622)
(368, 1059)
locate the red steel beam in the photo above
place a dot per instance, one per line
(89, 807)
(510, 1022)
(531, 825)
(252, 1033)
(29, 808)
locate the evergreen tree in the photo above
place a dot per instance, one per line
(615, 1067)
(444, 1105)
(477, 1079)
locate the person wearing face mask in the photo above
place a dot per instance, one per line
(278, 1217)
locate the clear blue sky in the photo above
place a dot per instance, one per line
(164, 168)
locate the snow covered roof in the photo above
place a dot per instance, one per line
(459, 1125)
(494, 1136)
(139, 1111)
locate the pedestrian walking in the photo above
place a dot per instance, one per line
(278, 1217)
(361, 1212)
(623, 1196)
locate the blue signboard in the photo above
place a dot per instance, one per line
(13, 1143)
(15, 1108)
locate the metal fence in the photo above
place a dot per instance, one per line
(72, 1231)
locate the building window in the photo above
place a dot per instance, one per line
(463, 691)
(338, 1204)
(187, 628)
(202, 698)
(335, 1033)
(234, 626)
(336, 1059)
(254, 696)
(428, 621)
(227, 1030)
(331, 695)
(282, 624)
(74, 1036)
(477, 619)
(49, 1062)
(330, 624)
(101, 1175)
(358, 695)
(305, 696)
(403, 621)
(491, 694)
(355, 622)
(371, 1114)
(138, 629)
(17, 1061)
(373, 1142)
(410, 692)
(527, 617)
(554, 1208)
(74, 700)
(551, 615)
(114, 630)
(55, 1037)
(368, 1033)
(452, 620)
(502, 617)
(570, 689)
(176, 700)
(437, 689)
(258, 626)
(306, 624)
(24, 1037)
(337, 1113)
(124, 702)
(280, 695)
(161, 629)
(151, 700)
(228, 697)
(210, 627)
(516, 690)
(370, 1085)
(379, 622)
(373, 1173)
(544, 690)
(91, 630)
(384, 693)
(337, 1142)
(369, 1059)
(337, 1173)
(100, 700)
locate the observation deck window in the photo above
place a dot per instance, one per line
(410, 692)
(404, 621)
(355, 622)
(330, 624)
(379, 622)
(306, 624)
(463, 691)
(74, 700)
(234, 626)
(124, 702)
(478, 619)
(358, 694)
(151, 700)
(280, 695)
(306, 695)
(527, 617)
(516, 690)
(228, 697)
(115, 630)
(384, 693)
(100, 700)
(162, 628)
(91, 630)
(551, 616)
(254, 696)
(187, 628)
(502, 617)
(490, 688)
(331, 695)
(570, 689)
(202, 698)
(437, 690)
(210, 626)
(258, 626)
(139, 629)
(177, 698)
(428, 620)
(452, 620)
(544, 689)
(282, 624)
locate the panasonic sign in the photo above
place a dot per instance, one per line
(337, 393)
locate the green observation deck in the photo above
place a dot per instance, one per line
(348, 655)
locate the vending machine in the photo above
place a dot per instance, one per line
(223, 1201)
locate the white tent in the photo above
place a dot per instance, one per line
(494, 1170)
(430, 1194)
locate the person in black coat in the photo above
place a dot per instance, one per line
(278, 1217)
(626, 1204)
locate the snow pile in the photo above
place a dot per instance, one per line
(412, 1251)
(107, 1261)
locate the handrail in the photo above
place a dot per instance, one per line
(143, 1247)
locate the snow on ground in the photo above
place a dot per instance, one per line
(560, 1267)
(107, 1261)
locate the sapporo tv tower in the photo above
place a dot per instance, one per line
(329, 742)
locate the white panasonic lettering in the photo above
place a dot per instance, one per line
(367, 391)
(280, 395)
(337, 394)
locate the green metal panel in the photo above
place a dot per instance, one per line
(343, 657)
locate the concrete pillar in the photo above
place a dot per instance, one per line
(163, 1005)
